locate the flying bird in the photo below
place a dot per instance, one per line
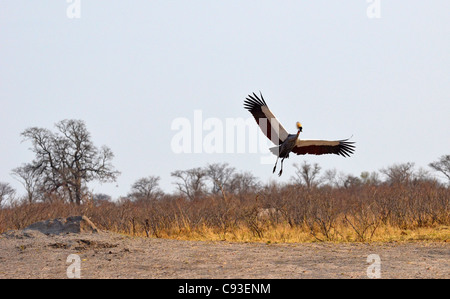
(287, 143)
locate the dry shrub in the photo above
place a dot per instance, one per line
(284, 212)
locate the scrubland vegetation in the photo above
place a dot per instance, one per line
(352, 209)
(217, 202)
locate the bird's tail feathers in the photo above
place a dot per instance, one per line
(275, 150)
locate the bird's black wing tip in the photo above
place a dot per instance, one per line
(255, 100)
(346, 148)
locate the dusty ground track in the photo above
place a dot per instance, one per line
(32, 254)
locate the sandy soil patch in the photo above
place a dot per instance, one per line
(32, 254)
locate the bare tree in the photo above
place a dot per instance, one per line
(191, 182)
(423, 175)
(442, 166)
(146, 188)
(243, 183)
(399, 173)
(370, 178)
(6, 192)
(330, 178)
(68, 159)
(307, 174)
(220, 176)
(351, 181)
(28, 177)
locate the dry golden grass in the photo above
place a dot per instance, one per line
(283, 233)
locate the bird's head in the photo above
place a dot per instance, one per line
(299, 126)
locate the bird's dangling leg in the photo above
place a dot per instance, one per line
(275, 167)
(281, 170)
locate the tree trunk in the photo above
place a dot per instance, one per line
(78, 192)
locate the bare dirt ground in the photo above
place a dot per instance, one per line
(31, 254)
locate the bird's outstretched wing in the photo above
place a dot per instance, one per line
(321, 147)
(268, 123)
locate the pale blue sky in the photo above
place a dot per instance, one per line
(129, 68)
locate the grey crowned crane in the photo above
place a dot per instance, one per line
(287, 143)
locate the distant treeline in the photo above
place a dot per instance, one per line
(220, 178)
